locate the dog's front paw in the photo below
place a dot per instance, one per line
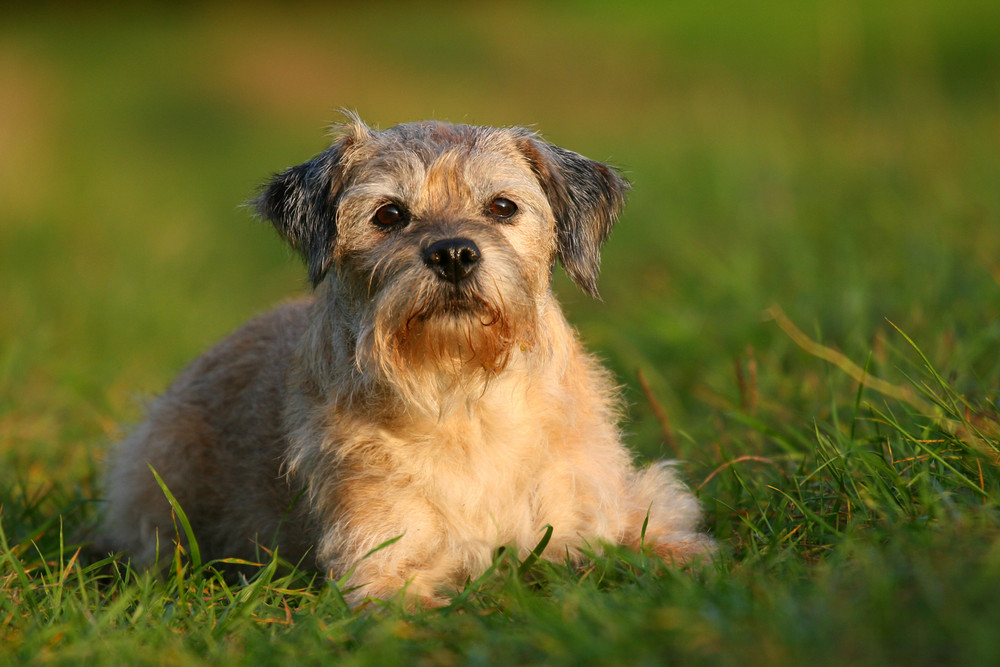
(684, 550)
(416, 593)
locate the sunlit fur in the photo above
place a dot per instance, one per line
(394, 404)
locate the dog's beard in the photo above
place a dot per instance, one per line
(436, 343)
(453, 333)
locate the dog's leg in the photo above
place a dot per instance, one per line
(670, 514)
(386, 539)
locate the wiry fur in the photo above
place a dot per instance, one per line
(458, 417)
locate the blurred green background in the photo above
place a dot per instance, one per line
(841, 159)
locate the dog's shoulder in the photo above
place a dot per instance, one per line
(273, 332)
(281, 325)
(258, 352)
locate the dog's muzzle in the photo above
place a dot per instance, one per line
(453, 260)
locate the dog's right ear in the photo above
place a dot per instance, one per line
(301, 203)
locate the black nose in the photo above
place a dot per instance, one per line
(452, 259)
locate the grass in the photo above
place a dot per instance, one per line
(800, 301)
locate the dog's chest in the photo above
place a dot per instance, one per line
(480, 471)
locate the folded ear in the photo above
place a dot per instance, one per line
(586, 198)
(301, 203)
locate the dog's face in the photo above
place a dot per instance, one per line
(443, 237)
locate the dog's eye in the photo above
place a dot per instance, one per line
(502, 207)
(389, 215)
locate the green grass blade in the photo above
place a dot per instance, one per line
(192, 543)
(536, 553)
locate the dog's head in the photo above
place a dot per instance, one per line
(446, 234)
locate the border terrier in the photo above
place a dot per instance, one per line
(429, 398)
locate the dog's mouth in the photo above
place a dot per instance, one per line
(461, 304)
(454, 330)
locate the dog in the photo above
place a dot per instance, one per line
(429, 403)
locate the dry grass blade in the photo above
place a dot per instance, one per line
(841, 361)
(658, 411)
(759, 459)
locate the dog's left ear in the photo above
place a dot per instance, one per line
(301, 204)
(586, 198)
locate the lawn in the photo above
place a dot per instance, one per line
(801, 301)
